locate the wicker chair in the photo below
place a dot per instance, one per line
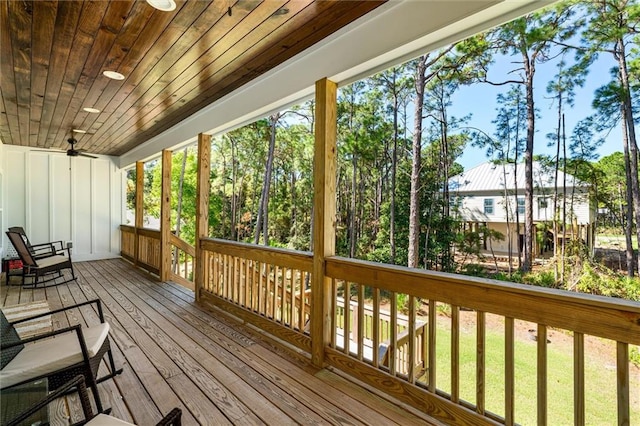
(174, 417)
(74, 350)
(39, 251)
(48, 268)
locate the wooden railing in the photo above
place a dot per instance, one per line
(578, 315)
(263, 285)
(183, 262)
(398, 347)
(141, 246)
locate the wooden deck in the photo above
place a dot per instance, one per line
(175, 353)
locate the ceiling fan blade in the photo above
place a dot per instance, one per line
(86, 155)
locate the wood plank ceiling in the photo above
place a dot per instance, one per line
(53, 54)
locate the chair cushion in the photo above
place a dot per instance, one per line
(104, 420)
(47, 356)
(8, 335)
(52, 260)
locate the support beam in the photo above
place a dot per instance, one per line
(165, 217)
(139, 213)
(324, 210)
(202, 206)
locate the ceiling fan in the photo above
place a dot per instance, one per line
(72, 152)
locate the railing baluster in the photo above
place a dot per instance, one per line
(432, 346)
(542, 374)
(347, 317)
(393, 334)
(578, 379)
(622, 365)
(509, 373)
(263, 292)
(411, 356)
(273, 285)
(376, 327)
(248, 286)
(480, 362)
(334, 313)
(361, 322)
(283, 296)
(455, 353)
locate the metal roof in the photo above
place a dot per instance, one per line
(490, 176)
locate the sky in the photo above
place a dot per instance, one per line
(479, 100)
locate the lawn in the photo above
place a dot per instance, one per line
(600, 379)
(614, 241)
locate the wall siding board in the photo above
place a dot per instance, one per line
(39, 202)
(15, 201)
(82, 206)
(61, 199)
(101, 209)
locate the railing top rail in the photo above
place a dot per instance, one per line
(141, 231)
(611, 318)
(182, 245)
(277, 256)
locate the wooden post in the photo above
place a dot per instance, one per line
(139, 214)
(165, 217)
(202, 206)
(324, 207)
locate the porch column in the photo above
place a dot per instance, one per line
(165, 217)
(139, 212)
(202, 206)
(324, 210)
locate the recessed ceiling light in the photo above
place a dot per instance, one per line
(91, 110)
(164, 5)
(78, 131)
(113, 75)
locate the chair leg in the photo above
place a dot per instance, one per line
(112, 365)
(93, 384)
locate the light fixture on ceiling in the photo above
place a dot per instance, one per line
(78, 131)
(91, 110)
(164, 5)
(113, 75)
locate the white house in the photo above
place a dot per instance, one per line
(493, 195)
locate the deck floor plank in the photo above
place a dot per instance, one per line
(195, 362)
(177, 353)
(230, 355)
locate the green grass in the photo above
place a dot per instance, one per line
(600, 398)
(617, 241)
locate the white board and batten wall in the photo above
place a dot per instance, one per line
(56, 197)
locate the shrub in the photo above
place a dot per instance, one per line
(542, 279)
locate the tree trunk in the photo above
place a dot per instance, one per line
(394, 168)
(179, 209)
(414, 203)
(632, 145)
(628, 226)
(529, 231)
(262, 222)
(354, 205)
(234, 198)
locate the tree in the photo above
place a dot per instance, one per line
(612, 28)
(529, 41)
(395, 85)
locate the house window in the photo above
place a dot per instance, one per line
(520, 205)
(455, 202)
(488, 206)
(543, 203)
